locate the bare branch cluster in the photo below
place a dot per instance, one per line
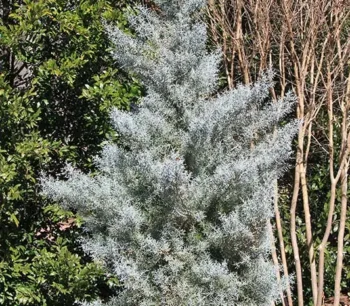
(308, 42)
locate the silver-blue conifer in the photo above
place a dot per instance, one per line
(179, 211)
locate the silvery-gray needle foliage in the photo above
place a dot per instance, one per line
(179, 211)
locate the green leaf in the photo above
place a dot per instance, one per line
(14, 219)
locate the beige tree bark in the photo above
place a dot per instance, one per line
(275, 261)
(338, 55)
(344, 195)
(340, 252)
(278, 221)
(344, 58)
(334, 177)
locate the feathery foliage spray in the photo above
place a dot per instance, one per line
(179, 212)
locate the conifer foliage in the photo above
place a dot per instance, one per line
(179, 211)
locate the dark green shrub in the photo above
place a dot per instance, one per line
(57, 84)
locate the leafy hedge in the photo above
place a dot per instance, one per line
(57, 85)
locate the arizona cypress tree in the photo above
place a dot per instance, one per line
(179, 211)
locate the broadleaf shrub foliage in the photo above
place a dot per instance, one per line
(54, 62)
(179, 210)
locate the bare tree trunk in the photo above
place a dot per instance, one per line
(339, 268)
(293, 236)
(275, 261)
(281, 244)
(334, 179)
(308, 226)
(344, 197)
